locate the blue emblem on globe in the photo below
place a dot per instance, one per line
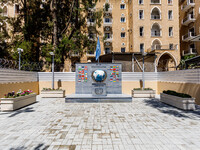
(99, 75)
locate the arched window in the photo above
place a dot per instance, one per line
(5, 11)
(155, 30)
(156, 45)
(155, 13)
(155, 1)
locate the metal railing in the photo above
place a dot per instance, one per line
(190, 52)
(189, 3)
(189, 17)
(188, 35)
(155, 34)
(155, 17)
(28, 66)
(164, 47)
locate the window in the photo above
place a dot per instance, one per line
(169, 2)
(122, 6)
(123, 19)
(141, 47)
(171, 46)
(170, 14)
(123, 49)
(107, 20)
(107, 35)
(141, 14)
(107, 50)
(16, 9)
(141, 2)
(123, 34)
(141, 31)
(170, 31)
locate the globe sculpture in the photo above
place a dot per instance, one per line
(99, 75)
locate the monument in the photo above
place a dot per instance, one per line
(98, 82)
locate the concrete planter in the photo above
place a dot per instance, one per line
(53, 94)
(10, 104)
(143, 93)
(179, 102)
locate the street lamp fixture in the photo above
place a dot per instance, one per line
(52, 54)
(19, 51)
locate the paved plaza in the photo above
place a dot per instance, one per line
(144, 124)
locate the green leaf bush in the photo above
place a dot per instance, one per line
(145, 89)
(174, 93)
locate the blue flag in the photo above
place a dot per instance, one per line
(98, 50)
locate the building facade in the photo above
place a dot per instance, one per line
(189, 27)
(132, 29)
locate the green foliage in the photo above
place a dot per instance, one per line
(174, 93)
(188, 57)
(107, 6)
(145, 89)
(33, 29)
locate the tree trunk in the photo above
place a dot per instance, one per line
(55, 27)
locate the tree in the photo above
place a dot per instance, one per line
(3, 35)
(53, 25)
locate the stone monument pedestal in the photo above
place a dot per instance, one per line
(99, 89)
(98, 82)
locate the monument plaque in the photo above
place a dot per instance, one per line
(99, 82)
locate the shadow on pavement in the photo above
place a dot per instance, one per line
(26, 110)
(167, 109)
(40, 146)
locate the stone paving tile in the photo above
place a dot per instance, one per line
(140, 125)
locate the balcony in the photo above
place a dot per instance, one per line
(189, 19)
(164, 47)
(155, 17)
(155, 34)
(109, 24)
(155, 2)
(191, 51)
(90, 53)
(108, 39)
(109, 10)
(186, 7)
(188, 37)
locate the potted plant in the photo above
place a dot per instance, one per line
(52, 93)
(179, 100)
(143, 93)
(13, 101)
(107, 6)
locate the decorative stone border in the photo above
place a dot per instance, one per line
(143, 93)
(52, 94)
(179, 102)
(10, 104)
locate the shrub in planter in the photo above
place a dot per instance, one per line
(52, 93)
(177, 94)
(13, 101)
(18, 94)
(143, 93)
(179, 100)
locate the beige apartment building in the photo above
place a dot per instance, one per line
(189, 27)
(132, 29)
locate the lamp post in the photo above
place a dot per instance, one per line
(52, 54)
(19, 51)
(143, 54)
